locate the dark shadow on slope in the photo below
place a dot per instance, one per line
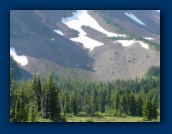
(32, 37)
(18, 73)
(149, 17)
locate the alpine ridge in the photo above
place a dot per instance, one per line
(99, 45)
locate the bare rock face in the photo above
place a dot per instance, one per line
(32, 35)
(113, 62)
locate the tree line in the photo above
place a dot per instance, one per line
(54, 97)
(129, 36)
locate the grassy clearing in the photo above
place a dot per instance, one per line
(82, 117)
(102, 118)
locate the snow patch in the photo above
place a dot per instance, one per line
(148, 38)
(80, 18)
(22, 60)
(126, 43)
(132, 16)
(52, 39)
(87, 42)
(59, 32)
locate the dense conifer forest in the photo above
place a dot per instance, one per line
(54, 98)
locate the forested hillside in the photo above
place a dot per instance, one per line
(84, 65)
(57, 99)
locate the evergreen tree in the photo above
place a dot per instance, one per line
(139, 105)
(13, 113)
(123, 106)
(18, 110)
(147, 110)
(92, 101)
(132, 105)
(154, 109)
(53, 105)
(11, 92)
(117, 102)
(29, 99)
(32, 112)
(39, 93)
(75, 107)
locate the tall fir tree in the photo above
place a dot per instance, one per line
(139, 105)
(132, 105)
(53, 105)
(154, 109)
(147, 110)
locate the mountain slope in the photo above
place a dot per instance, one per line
(150, 18)
(83, 43)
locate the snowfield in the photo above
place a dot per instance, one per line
(132, 16)
(126, 43)
(59, 32)
(52, 39)
(82, 18)
(148, 38)
(22, 60)
(87, 42)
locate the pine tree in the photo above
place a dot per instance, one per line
(75, 109)
(132, 105)
(39, 93)
(57, 110)
(18, 110)
(139, 105)
(154, 109)
(11, 91)
(117, 103)
(53, 105)
(147, 110)
(32, 90)
(13, 113)
(123, 105)
(67, 102)
(32, 112)
(92, 102)
(43, 104)
(74, 103)
(107, 100)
